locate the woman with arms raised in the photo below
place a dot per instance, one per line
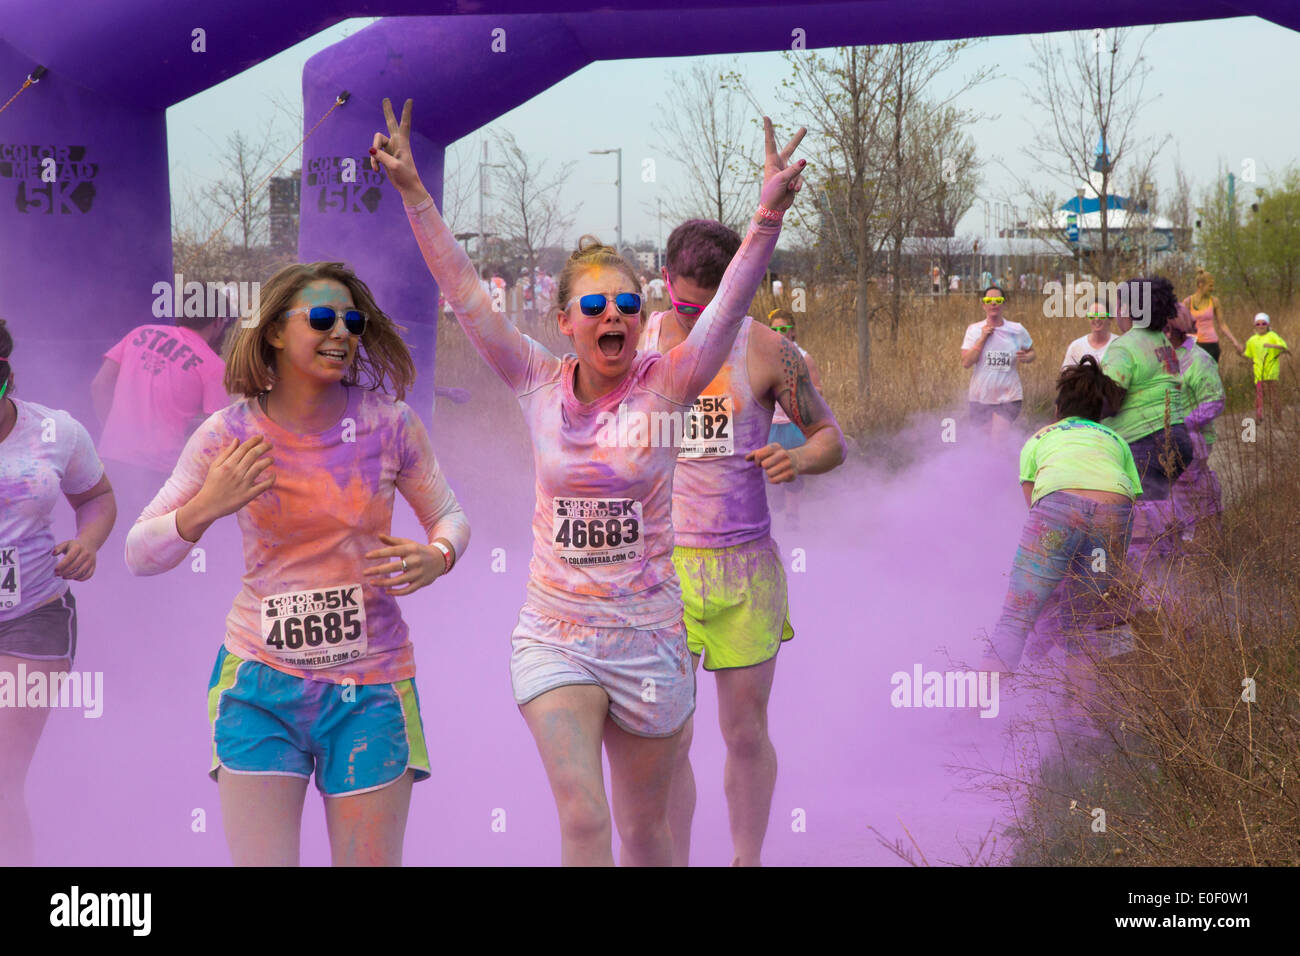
(599, 652)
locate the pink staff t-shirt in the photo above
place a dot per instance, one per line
(169, 377)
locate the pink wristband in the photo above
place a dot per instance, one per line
(771, 215)
(446, 555)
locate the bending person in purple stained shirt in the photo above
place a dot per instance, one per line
(600, 651)
(316, 671)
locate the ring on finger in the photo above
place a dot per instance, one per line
(403, 564)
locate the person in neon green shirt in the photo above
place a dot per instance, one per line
(1080, 481)
(1265, 348)
(1196, 494)
(1143, 363)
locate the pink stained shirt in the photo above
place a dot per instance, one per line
(719, 498)
(308, 534)
(169, 377)
(594, 464)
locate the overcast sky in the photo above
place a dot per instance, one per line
(1219, 85)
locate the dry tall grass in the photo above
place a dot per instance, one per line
(1191, 743)
(920, 373)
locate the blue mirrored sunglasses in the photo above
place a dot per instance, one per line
(629, 303)
(322, 318)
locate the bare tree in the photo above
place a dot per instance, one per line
(954, 166)
(918, 131)
(839, 97)
(220, 227)
(530, 215)
(886, 154)
(1089, 93)
(245, 163)
(1180, 205)
(705, 123)
(460, 185)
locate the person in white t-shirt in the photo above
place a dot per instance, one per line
(995, 348)
(45, 455)
(1096, 341)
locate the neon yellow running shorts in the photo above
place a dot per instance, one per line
(737, 609)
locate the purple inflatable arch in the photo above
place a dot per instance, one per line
(79, 256)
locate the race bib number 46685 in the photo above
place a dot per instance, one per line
(597, 531)
(11, 578)
(314, 629)
(710, 430)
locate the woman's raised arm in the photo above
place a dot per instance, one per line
(693, 363)
(516, 358)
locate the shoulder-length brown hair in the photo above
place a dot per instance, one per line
(382, 355)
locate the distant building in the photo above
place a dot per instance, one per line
(648, 261)
(285, 192)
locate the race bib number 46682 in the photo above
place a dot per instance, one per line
(314, 629)
(710, 430)
(597, 531)
(11, 578)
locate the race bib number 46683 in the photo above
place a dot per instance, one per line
(311, 630)
(11, 578)
(597, 531)
(710, 430)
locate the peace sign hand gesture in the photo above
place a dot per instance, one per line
(393, 152)
(780, 180)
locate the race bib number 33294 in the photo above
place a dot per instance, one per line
(587, 532)
(998, 359)
(315, 629)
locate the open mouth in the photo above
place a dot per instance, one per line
(337, 355)
(611, 344)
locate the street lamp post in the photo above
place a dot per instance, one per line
(619, 183)
(659, 258)
(482, 229)
(1078, 244)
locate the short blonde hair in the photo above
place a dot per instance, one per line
(381, 356)
(591, 254)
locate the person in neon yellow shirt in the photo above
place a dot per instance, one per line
(1080, 481)
(1265, 348)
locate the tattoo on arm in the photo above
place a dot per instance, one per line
(795, 391)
